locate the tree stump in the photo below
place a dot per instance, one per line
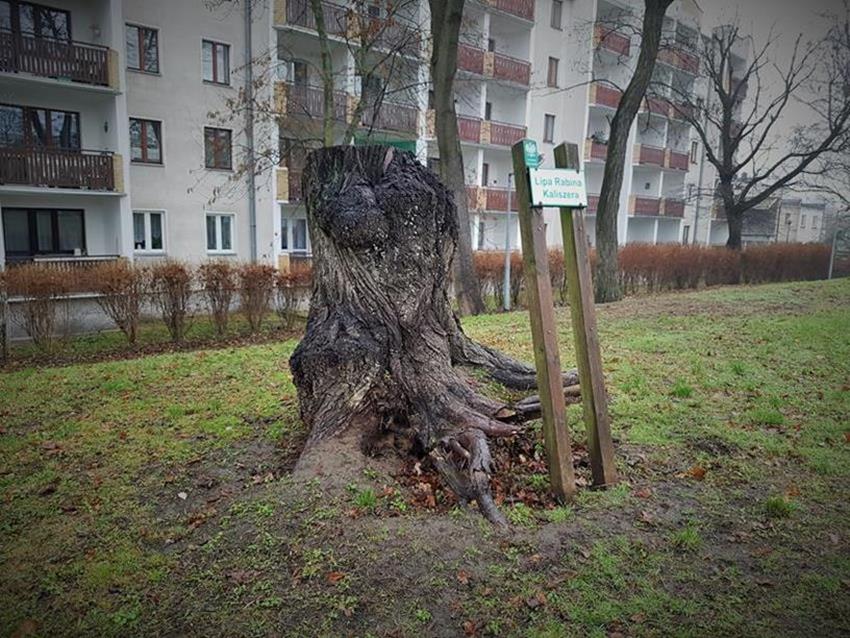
(383, 352)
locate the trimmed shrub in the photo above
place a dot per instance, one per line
(256, 284)
(44, 311)
(171, 285)
(291, 288)
(218, 280)
(121, 288)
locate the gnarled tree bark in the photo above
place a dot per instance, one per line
(383, 351)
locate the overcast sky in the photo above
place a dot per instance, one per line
(787, 17)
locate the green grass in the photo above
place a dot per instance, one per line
(751, 385)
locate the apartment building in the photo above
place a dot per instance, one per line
(107, 145)
(119, 136)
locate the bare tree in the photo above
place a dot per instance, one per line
(446, 17)
(742, 123)
(606, 280)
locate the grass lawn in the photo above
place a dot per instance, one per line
(152, 496)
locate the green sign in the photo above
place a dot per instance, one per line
(529, 150)
(560, 187)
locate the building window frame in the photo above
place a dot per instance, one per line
(147, 127)
(147, 216)
(32, 231)
(552, 72)
(217, 141)
(216, 77)
(694, 151)
(556, 19)
(549, 128)
(219, 234)
(30, 140)
(142, 47)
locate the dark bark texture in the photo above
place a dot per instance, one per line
(383, 352)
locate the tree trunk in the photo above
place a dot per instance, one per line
(445, 29)
(606, 280)
(735, 223)
(382, 344)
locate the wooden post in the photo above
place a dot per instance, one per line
(589, 360)
(544, 335)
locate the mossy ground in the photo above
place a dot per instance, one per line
(152, 496)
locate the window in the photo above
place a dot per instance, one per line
(549, 128)
(802, 221)
(284, 232)
(299, 73)
(294, 237)
(481, 230)
(43, 231)
(557, 10)
(148, 231)
(488, 110)
(299, 235)
(814, 223)
(33, 126)
(485, 174)
(491, 45)
(694, 151)
(215, 57)
(374, 11)
(686, 234)
(35, 20)
(552, 76)
(142, 48)
(219, 232)
(217, 150)
(145, 141)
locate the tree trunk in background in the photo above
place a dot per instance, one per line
(327, 73)
(606, 280)
(445, 30)
(377, 362)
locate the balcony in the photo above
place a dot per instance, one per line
(680, 59)
(603, 95)
(676, 160)
(391, 34)
(390, 116)
(646, 206)
(520, 8)
(58, 168)
(298, 13)
(605, 37)
(511, 69)
(645, 155)
(66, 60)
(475, 198)
(289, 184)
(501, 133)
(594, 150)
(470, 59)
(592, 204)
(496, 199)
(308, 101)
(469, 129)
(656, 106)
(673, 207)
(681, 111)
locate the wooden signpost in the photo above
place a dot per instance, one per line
(562, 187)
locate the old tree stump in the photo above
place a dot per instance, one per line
(384, 354)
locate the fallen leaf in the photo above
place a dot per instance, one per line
(638, 618)
(242, 576)
(643, 492)
(463, 577)
(335, 577)
(697, 472)
(646, 517)
(470, 628)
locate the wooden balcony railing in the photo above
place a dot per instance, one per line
(594, 150)
(299, 13)
(679, 58)
(656, 106)
(469, 128)
(603, 95)
(57, 168)
(605, 37)
(470, 58)
(650, 206)
(681, 111)
(309, 101)
(54, 58)
(511, 69)
(497, 199)
(520, 8)
(676, 160)
(651, 155)
(391, 34)
(673, 207)
(389, 116)
(504, 134)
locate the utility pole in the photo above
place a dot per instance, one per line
(506, 284)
